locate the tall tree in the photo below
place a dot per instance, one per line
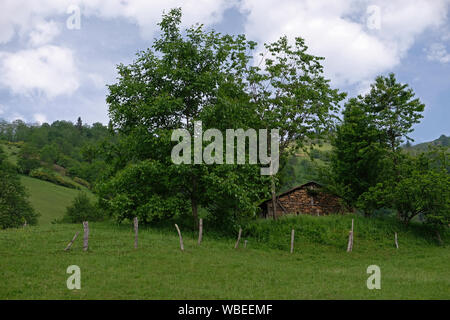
(395, 111)
(181, 79)
(292, 95)
(357, 160)
(79, 124)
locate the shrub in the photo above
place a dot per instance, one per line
(81, 210)
(49, 176)
(15, 208)
(82, 182)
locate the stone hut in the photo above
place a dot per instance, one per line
(309, 198)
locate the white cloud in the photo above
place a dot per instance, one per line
(338, 30)
(48, 70)
(40, 118)
(44, 33)
(26, 16)
(438, 52)
(146, 14)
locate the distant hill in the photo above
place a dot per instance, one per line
(47, 198)
(442, 141)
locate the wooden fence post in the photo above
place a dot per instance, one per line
(86, 235)
(396, 240)
(181, 239)
(350, 240)
(245, 244)
(136, 231)
(238, 239)
(71, 242)
(200, 231)
(292, 240)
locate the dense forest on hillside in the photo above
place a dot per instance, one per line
(62, 148)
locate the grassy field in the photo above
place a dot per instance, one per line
(33, 265)
(49, 199)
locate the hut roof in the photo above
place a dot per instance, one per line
(310, 183)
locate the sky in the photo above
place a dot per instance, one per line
(57, 56)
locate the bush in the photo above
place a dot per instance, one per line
(82, 182)
(49, 176)
(81, 210)
(15, 208)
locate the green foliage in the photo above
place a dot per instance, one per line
(49, 154)
(15, 208)
(394, 108)
(47, 175)
(28, 159)
(142, 190)
(367, 154)
(82, 182)
(423, 188)
(62, 143)
(199, 75)
(81, 210)
(357, 161)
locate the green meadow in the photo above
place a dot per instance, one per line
(34, 264)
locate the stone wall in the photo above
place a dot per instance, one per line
(303, 201)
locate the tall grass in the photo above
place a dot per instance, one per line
(333, 231)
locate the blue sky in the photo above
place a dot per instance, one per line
(50, 71)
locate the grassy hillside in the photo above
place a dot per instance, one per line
(49, 199)
(33, 264)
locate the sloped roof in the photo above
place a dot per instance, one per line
(311, 183)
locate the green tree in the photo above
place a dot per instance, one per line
(358, 156)
(15, 209)
(422, 188)
(395, 111)
(81, 209)
(79, 125)
(179, 80)
(49, 153)
(210, 77)
(291, 93)
(28, 158)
